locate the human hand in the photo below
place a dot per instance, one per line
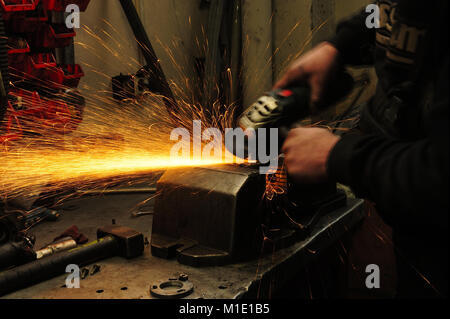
(306, 154)
(317, 68)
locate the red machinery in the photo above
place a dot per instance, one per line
(41, 91)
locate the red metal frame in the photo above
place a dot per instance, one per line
(72, 75)
(51, 36)
(33, 60)
(61, 5)
(52, 114)
(18, 5)
(25, 49)
(49, 5)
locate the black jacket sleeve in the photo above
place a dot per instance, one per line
(355, 41)
(409, 182)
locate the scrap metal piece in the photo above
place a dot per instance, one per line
(95, 269)
(40, 214)
(84, 273)
(51, 249)
(171, 289)
(139, 214)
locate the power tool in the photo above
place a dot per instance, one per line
(281, 109)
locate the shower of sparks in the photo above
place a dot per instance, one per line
(128, 142)
(114, 141)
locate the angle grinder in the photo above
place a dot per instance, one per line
(282, 109)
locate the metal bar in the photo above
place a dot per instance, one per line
(147, 190)
(47, 268)
(151, 59)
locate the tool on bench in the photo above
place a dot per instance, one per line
(39, 214)
(112, 241)
(21, 249)
(13, 224)
(56, 247)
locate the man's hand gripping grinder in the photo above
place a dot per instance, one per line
(282, 109)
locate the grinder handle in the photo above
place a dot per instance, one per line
(337, 91)
(340, 88)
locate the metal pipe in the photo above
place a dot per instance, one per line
(145, 190)
(47, 268)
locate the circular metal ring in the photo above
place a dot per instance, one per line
(171, 289)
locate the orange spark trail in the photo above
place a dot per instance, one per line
(115, 140)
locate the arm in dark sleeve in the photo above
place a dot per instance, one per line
(355, 41)
(409, 182)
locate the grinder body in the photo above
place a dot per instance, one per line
(283, 107)
(277, 109)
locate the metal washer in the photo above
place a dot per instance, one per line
(171, 289)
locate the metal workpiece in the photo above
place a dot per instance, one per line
(62, 245)
(208, 216)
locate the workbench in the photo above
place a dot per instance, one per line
(131, 279)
